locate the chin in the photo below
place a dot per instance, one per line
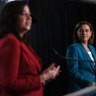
(28, 28)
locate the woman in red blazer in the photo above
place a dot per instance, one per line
(20, 66)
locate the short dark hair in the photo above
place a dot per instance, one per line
(75, 37)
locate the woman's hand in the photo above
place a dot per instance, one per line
(50, 73)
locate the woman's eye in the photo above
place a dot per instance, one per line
(25, 14)
(22, 14)
(81, 30)
(87, 30)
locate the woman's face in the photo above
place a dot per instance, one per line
(24, 21)
(84, 33)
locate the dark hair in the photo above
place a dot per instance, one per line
(9, 15)
(75, 37)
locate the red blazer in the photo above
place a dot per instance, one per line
(19, 69)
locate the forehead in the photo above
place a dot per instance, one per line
(26, 8)
(85, 26)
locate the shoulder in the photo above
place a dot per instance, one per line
(9, 40)
(73, 50)
(74, 45)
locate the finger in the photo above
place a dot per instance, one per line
(51, 66)
(58, 68)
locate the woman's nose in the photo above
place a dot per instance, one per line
(84, 32)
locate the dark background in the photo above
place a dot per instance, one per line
(54, 29)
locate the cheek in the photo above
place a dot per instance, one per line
(90, 34)
(20, 20)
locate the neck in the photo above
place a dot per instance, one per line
(86, 46)
(21, 33)
(85, 43)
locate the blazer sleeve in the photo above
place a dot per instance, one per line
(74, 71)
(10, 61)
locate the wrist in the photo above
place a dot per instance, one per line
(43, 79)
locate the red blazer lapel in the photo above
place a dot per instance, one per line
(29, 51)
